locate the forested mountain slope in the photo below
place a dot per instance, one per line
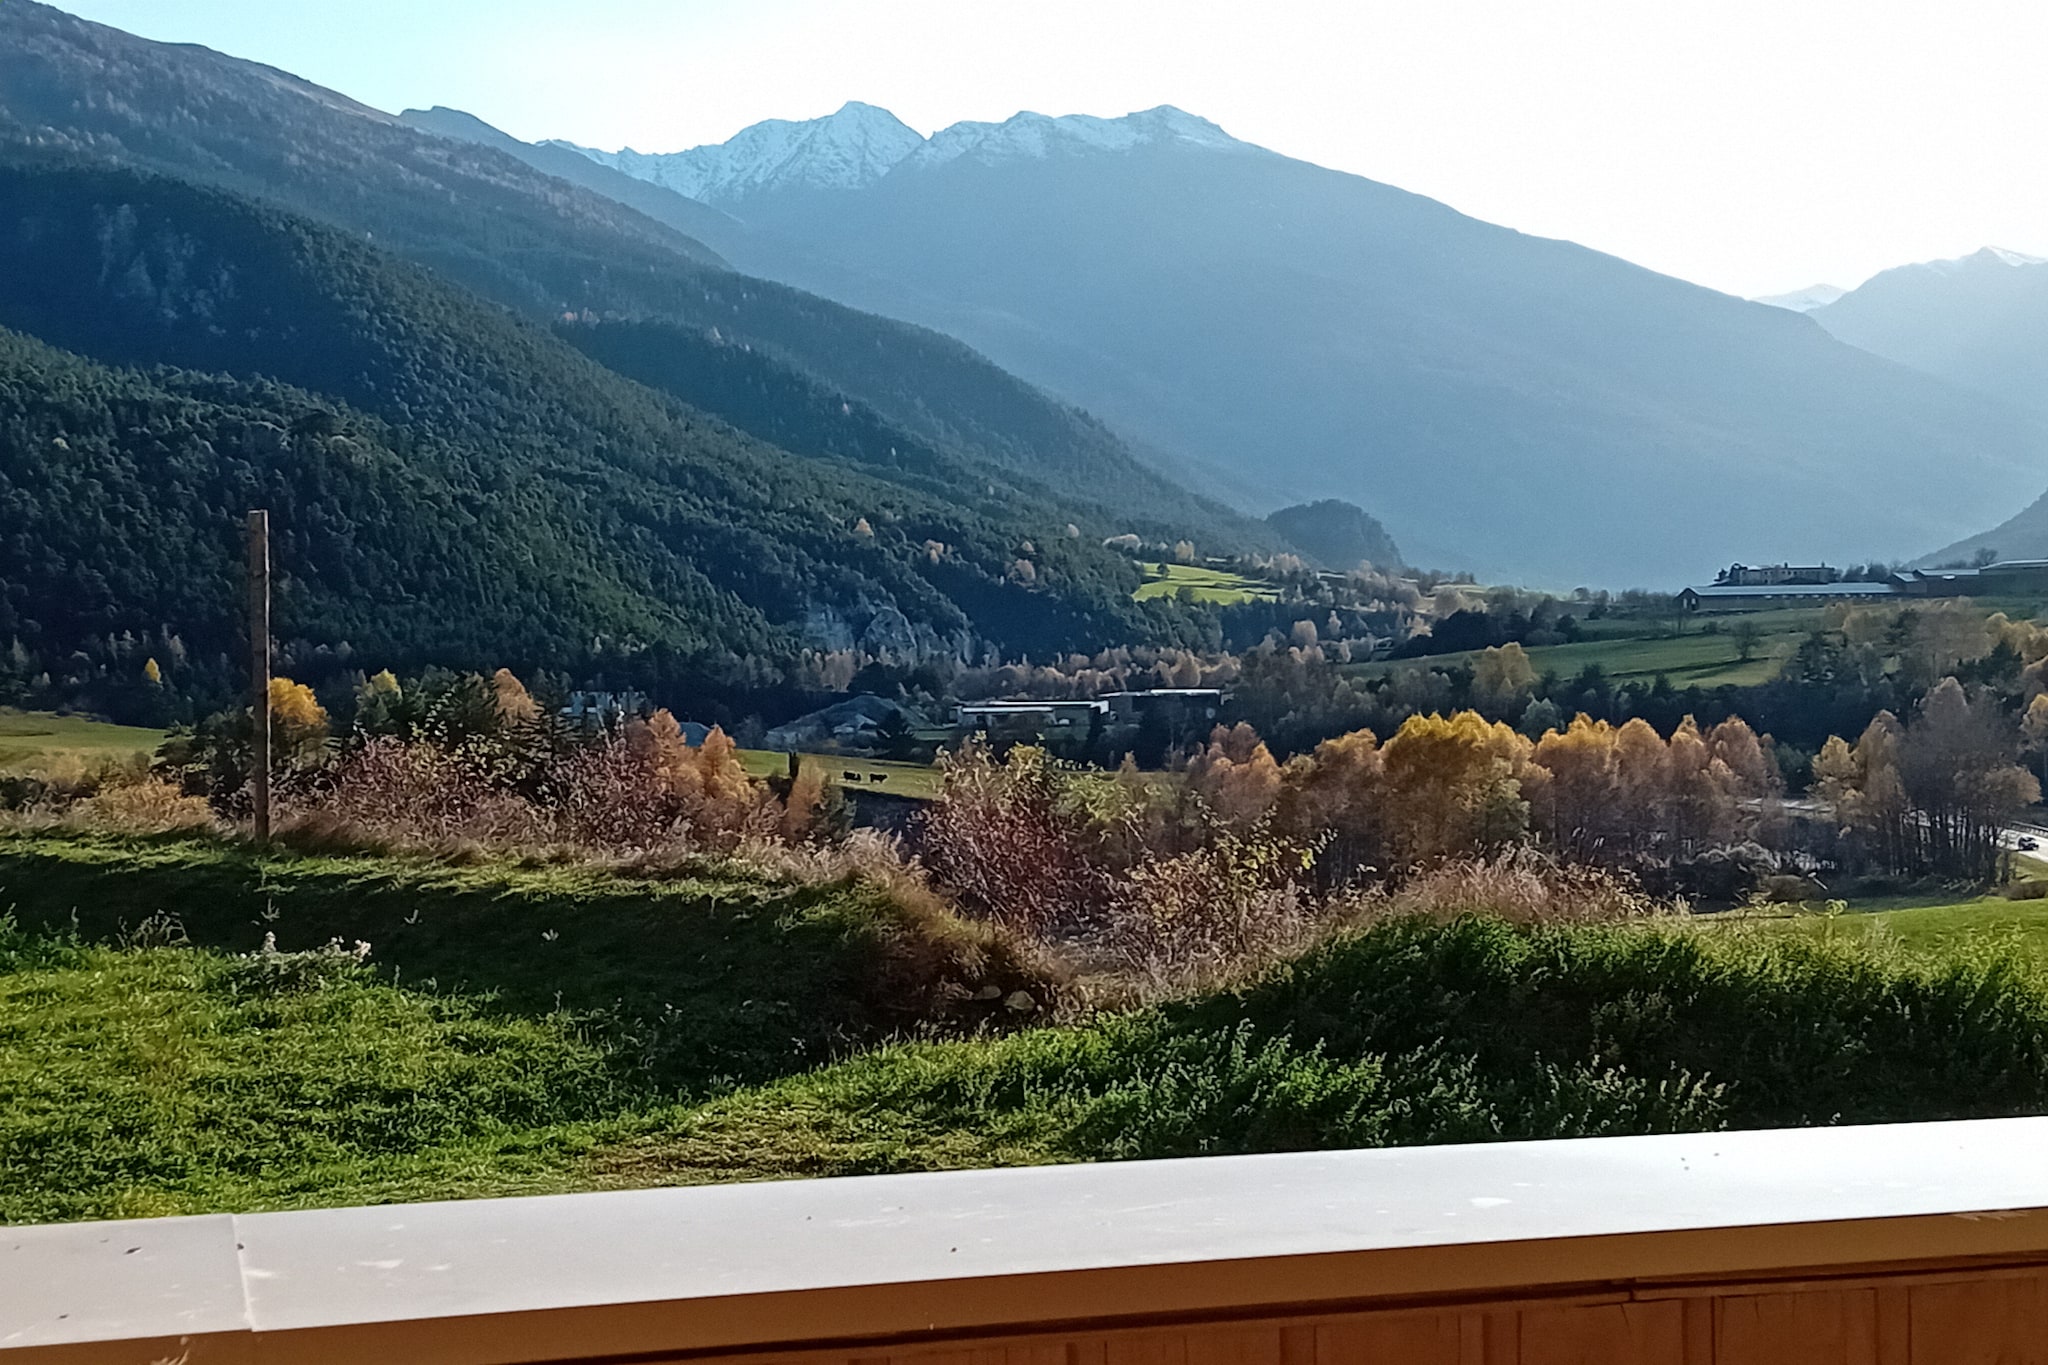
(452, 484)
(1525, 407)
(541, 244)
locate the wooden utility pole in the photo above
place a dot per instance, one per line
(259, 672)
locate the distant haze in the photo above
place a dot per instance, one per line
(1748, 145)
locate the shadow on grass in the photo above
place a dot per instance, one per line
(696, 983)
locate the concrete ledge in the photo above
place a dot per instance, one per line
(894, 1259)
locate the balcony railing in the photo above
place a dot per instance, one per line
(1921, 1244)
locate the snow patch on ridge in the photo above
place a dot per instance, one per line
(1035, 135)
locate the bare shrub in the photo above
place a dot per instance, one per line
(1165, 891)
(1236, 901)
(1003, 841)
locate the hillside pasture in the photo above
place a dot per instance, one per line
(1218, 586)
(1631, 648)
(38, 739)
(1691, 651)
(919, 781)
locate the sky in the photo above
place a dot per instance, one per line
(1749, 146)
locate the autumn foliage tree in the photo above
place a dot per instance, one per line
(1455, 784)
(1237, 775)
(1622, 793)
(1933, 796)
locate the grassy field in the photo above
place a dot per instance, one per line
(1628, 649)
(1634, 648)
(1208, 585)
(33, 739)
(526, 1029)
(1934, 926)
(918, 780)
(1687, 660)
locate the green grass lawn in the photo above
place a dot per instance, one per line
(32, 739)
(918, 780)
(529, 1029)
(704, 976)
(1937, 927)
(1208, 585)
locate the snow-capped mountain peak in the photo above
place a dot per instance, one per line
(861, 143)
(844, 150)
(1993, 255)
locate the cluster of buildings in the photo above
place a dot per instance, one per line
(1176, 708)
(1757, 585)
(865, 722)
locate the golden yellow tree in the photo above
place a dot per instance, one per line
(1862, 786)
(298, 723)
(1241, 791)
(1643, 778)
(1336, 795)
(1580, 807)
(1454, 785)
(710, 792)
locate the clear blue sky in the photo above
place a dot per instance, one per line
(1752, 145)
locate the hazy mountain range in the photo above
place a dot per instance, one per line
(1278, 332)
(1805, 300)
(1113, 323)
(1979, 321)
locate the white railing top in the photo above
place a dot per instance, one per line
(500, 1280)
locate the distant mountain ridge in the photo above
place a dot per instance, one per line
(845, 150)
(1804, 300)
(1338, 535)
(1310, 334)
(860, 143)
(1979, 320)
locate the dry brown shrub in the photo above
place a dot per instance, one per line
(58, 781)
(1521, 886)
(389, 795)
(1216, 911)
(934, 966)
(1003, 841)
(149, 807)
